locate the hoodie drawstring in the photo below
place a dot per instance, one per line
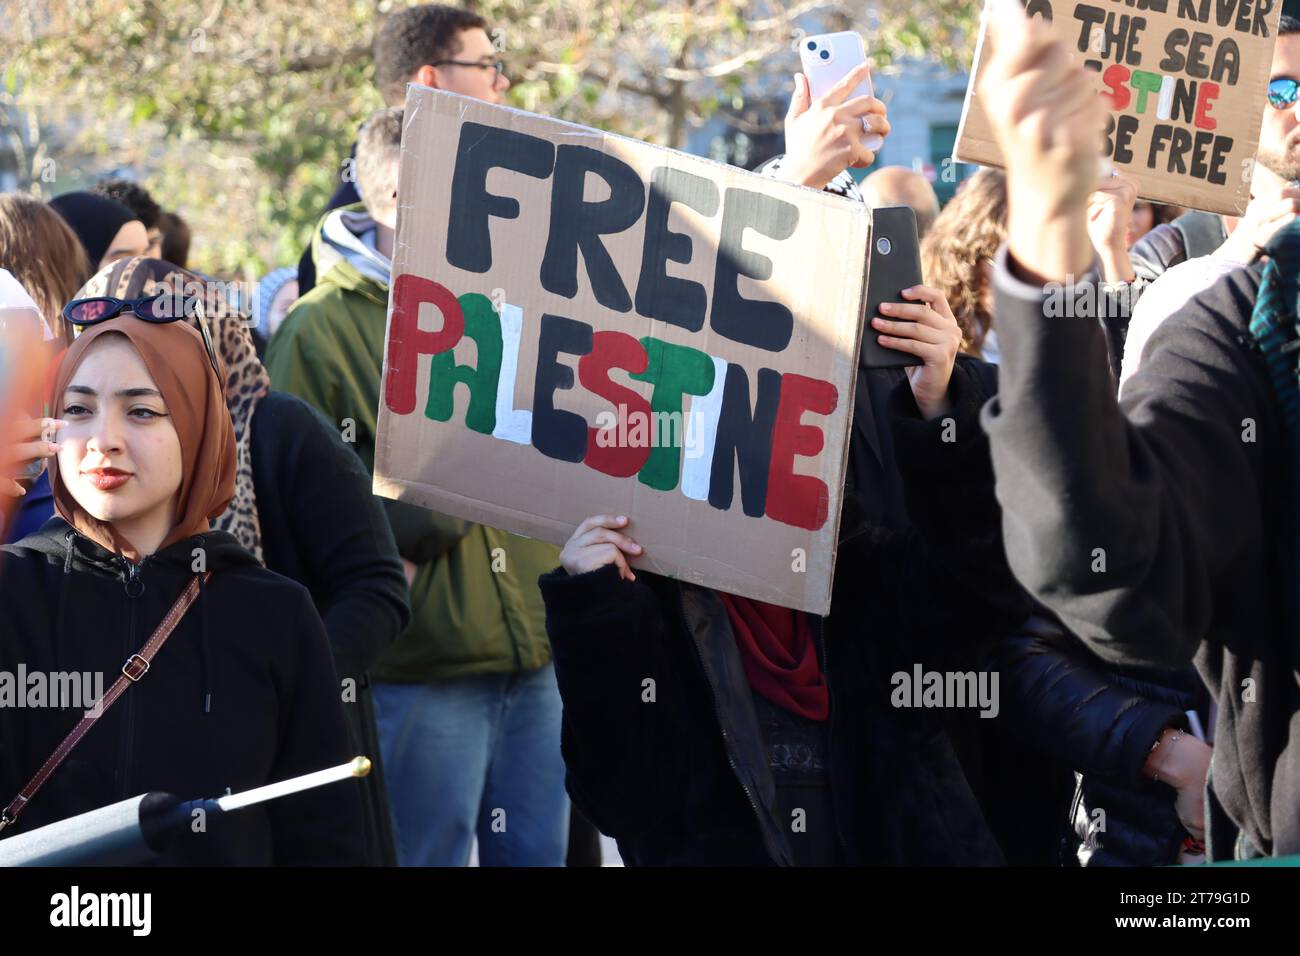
(204, 651)
(59, 615)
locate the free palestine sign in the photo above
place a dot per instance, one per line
(581, 323)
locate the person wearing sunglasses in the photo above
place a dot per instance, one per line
(303, 504)
(1275, 184)
(1175, 261)
(434, 45)
(37, 505)
(241, 692)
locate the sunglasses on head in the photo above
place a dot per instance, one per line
(151, 308)
(1283, 92)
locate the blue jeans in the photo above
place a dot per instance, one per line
(475, 756)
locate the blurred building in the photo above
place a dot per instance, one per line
(924, 101)
(745, 137)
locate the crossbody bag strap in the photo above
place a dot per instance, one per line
(136, 666)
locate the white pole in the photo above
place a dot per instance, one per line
(357, 767)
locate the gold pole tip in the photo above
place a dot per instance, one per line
(360, 766)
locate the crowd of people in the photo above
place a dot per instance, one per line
(1100, 507)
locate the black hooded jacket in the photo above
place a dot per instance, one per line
(242, 694)
(685, 779)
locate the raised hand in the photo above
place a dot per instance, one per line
(1110, 210)
(823, 137)
(1048, 123)
(27, 443)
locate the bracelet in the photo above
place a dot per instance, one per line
(1155, 777)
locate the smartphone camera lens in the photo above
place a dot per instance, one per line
(812, 44)
(884, 246)
(826, 54)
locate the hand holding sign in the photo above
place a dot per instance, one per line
(595, 544)
(1049, 122)
(1048, 127)
(825, 136)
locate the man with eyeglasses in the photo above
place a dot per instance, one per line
(446, 48)
(1188, 255)
(439, 46)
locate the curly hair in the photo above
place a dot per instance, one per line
(967, 234)
(133, 196)
(415, 36)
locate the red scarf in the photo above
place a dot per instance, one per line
(780, 655)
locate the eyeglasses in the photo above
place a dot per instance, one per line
(498, 65)
(151, 308)
(1283, 92)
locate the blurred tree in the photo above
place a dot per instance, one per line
(237, 113)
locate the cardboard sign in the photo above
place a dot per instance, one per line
(1185, 83)
(582, 324)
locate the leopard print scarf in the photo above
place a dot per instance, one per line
(246, 378)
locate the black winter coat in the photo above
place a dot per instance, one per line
(685, 779)
(242, 694)
(1102, 720)
(323, 527)
(1185, 507)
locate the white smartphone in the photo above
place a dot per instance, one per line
(827, 58)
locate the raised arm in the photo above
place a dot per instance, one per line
(1120, 521)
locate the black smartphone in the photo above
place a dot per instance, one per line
(895, 265)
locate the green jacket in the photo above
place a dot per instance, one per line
(475, 604)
